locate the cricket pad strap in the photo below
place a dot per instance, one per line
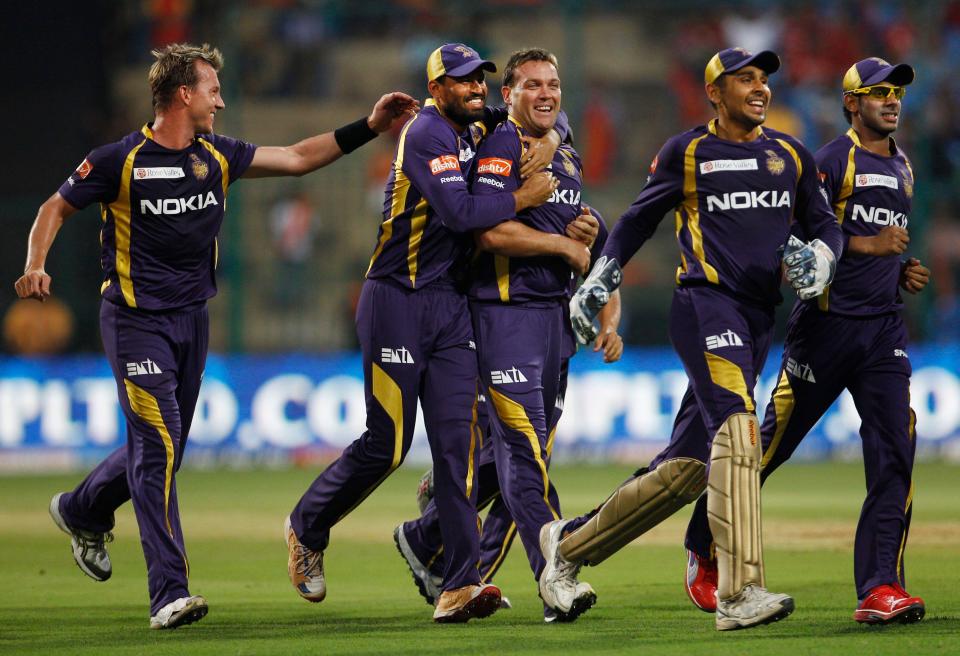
(733, 504)
(634, 508)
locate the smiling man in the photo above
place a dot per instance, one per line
(869, 182)
(416, 338)
(162, 192)
(735, 188)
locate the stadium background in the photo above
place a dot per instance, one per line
(283, 380)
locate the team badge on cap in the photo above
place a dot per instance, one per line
(456, 59)
(733, 59)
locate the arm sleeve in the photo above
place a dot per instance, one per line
(813, 211)
(432, 164)
(663, 192)
(239, 154)
(96, 180)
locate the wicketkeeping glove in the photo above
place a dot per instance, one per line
(592, 295)
(810, 267)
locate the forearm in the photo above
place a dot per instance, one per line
(516, 239)
(609, 316)
(49, 219)
(314, 153)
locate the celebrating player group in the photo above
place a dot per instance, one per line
(471, 307)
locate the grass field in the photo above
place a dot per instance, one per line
(232, 521)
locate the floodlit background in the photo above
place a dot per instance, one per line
(283, 379)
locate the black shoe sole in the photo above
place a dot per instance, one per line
(416, 579)
(580, 606)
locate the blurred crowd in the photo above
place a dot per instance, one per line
(633, 76)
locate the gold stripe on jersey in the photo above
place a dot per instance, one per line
(712, 128)
(120, 208)
(903, 540)
(474, 436)
(504, 548)
(224, 167)
(840, 202)
(691, 205)
(390, 397)
(398, 199)
(683, 260)
(418, 222)
(793, 153)
(501, 268)
(783, 405)
(730, 377)
(145, 405)
(515, 418)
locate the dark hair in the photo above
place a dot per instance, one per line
(521, 57)
(176, 67)
(721, 83)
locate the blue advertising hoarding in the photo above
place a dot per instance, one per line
(61, 412)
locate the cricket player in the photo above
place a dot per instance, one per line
(852, 337)
(517, 295)
(416, 337)
(162, 192)
(736, 188)
(419, 542)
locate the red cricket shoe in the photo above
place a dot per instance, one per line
(701, 582)
(889, 603)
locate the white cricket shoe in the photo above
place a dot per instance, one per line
(559, 587)
(185, 610)
(429, 585)
(88, 547)
(304, 566)
(752, 606)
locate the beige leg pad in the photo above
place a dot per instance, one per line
(733, 504)
(637, 506)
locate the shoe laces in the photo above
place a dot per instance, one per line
(89, 539)
(309, 562)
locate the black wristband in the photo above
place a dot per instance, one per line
(353, 135)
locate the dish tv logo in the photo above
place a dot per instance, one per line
(444, 163)
(495, 165)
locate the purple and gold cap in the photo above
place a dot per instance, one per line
(733, 59)
(456, 59)
(874, 70)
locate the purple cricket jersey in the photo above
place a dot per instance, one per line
(505, 279)
(428, 210)
(868, 192)
(162, 210)
(734, 204)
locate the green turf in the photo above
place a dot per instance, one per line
(232, 521)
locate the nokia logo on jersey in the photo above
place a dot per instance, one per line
(178, 205)
(879, 215)
(742, 200)
(565, 196)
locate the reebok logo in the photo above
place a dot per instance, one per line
(511, 375)
(444, 163)
(490, 181)
(395, 356)
(801, 371)
(144, 368)
(723, 340)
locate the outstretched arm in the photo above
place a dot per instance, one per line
(35, 282)
(318, 151)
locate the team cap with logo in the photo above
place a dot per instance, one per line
(457, 60)
(733, 59)
(874, 70)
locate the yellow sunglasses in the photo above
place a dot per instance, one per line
(880, 92)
